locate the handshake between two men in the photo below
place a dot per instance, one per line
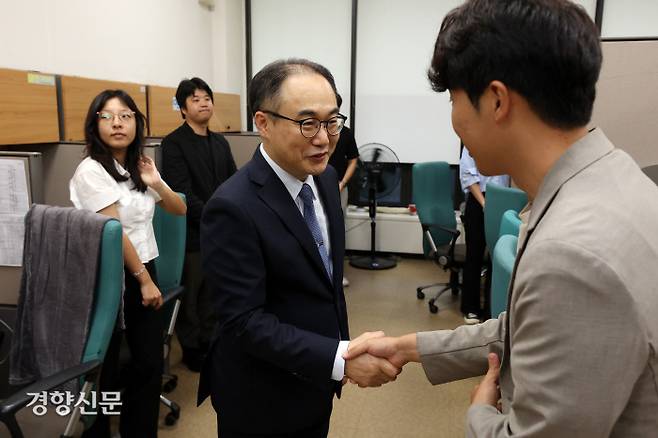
(374, 359)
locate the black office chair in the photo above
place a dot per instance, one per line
(432, 193)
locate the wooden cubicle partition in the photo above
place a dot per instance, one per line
(28, 108)
(77, 94)
(164, 115)
(226, 117)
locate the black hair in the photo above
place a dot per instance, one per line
(546, 50)
(100, 152)
(339, 100)
(265, 87)
(187, 87)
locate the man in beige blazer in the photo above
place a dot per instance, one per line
(578, 343)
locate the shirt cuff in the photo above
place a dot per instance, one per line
(338, 371)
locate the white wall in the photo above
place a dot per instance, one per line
(228, 51)
(394, 102)
(316, 30)
(623, 18)
(147, 41)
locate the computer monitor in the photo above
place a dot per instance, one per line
(399, 195)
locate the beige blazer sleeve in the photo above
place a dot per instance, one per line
(577, 348)
(448, 355)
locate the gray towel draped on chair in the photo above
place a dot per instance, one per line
(60, 263)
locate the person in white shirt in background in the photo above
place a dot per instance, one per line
(474, 185)
(118, 180)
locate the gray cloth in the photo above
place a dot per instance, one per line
(580, 336)
(60, 263)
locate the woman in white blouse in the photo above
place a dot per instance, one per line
(117, 180)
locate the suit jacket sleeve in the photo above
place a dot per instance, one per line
(178, 176)
(577, 348)
(234, 264)
(449, 355)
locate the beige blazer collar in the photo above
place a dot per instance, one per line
(579, 156)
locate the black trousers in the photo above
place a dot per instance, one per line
(141, 378)
(319, 430)
(197, 318)
(475, 247)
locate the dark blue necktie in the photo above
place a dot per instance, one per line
(306, 195)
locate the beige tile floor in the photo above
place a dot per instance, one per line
(408, 408)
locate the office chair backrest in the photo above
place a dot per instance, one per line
(504, 255)
(510, 224)
(107, 294)
(169, 232)
(500, 199)
(432, 194)
(651, 172)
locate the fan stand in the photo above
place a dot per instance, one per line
(371, 261)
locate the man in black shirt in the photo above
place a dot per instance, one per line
(344, 161)
(195, 161)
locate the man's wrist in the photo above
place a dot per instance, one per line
(339, 368)
(407, 345)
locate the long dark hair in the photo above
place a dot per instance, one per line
(100, 152)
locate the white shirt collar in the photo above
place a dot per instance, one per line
(293, 185)
(120, 169)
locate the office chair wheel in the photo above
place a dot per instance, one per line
(419, 293)
(170, 385)
(433, 307)
(172, 417)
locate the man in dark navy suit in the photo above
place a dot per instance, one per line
(272, 243)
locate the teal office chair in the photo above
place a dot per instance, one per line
(499, 200)
(432, 194)
(510, 223)
(170, 232)
(504, 255)
(107, 296)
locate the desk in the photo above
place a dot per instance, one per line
(395, 232)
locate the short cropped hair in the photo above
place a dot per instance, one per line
(265, 87)
(187, 87)
(548, 51)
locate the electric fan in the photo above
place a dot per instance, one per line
(378, 173)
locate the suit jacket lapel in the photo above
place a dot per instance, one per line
(594, 146)
(275, 195)
(333, 222)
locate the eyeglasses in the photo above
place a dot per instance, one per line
(108, 117)
(309, 127)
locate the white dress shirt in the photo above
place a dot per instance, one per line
(92, 188)
(469, 174)
(294, 186)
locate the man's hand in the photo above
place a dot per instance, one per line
(398, 351)
(341, 186)
(367, 371)
(488, 391)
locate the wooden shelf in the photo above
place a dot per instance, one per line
(77, 94)
(28, 108)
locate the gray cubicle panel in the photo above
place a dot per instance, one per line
(243, 146)
(10, 276)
